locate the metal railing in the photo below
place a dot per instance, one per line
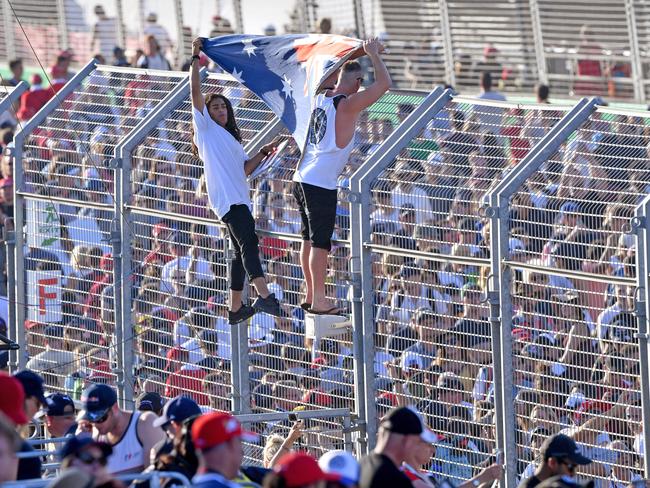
(485, 251)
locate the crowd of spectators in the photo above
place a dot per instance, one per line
(575, 363)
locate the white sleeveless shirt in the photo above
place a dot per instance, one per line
(323, 160)
(128, 454)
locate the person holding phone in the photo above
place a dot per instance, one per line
(217, 142)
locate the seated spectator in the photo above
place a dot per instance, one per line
(90, 457)
(55, 363)
(131, 435)
(150, 402)
(176, 411)
(60, 415)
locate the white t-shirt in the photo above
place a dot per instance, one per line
(203, 271)
(106, 37)
(223, 159)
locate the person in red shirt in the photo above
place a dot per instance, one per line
(185, 378)
(33, 100)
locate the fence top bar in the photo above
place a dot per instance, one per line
(442, 258)
(581, 275)
(509, 105)
(74, 203)
(13, 94)
(141, 71)
(54, 102)
(624, 111)
(305, 414)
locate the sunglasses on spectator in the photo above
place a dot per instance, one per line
(102, 419)
(88, 458)
(360, 79)
(570, 466)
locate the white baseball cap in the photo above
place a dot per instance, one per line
(342, 465)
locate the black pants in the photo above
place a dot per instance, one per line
(241, 228)
(318, 214)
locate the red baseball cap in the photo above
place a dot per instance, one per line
(12, 399)
(215, 428)
(300, 469)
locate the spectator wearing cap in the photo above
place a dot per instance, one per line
(32, 385)
(150, 401)
(90, 457)
(132, 435)
(60, 415)
(175, 412)
(429, 328)
(153, 28)
(296, 470)
(559, 455)
(408, 298)
(179, 248)
(218, 439)
(399, 433)
(9, 444)
(342, 469)
(54, 362)
(12, 405)
(457, 453)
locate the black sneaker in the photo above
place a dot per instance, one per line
(269, 305)
(245, 312)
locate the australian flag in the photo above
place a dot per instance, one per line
(286, 72)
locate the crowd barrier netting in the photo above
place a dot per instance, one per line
(483, 249)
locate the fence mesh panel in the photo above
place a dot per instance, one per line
(430, 265)
(575, 356)
(68, 154)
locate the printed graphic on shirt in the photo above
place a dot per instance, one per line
(317, 126)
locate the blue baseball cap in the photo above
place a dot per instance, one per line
(177, 409)
(97, 400)
(58, 405)
(32, 384)
(74, 445)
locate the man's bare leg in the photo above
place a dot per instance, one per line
(305, 252)
(318, 269)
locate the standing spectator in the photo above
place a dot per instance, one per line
(153, 58)
(400, 432)
(9, 444)
(16, 68)
(489, 117)
(560, 455)
(153, 28)
(542, 93)
(217, 439)
(104, 33)
(60, 415)
(151, 401)
(131, 435)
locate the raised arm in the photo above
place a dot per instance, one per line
(195, 78)
(362, 100)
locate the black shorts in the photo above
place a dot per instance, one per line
(318, 213)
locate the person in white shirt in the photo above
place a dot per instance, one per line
(153, 28)
(153, 57)
(217, 141)
(104, 33)
(329, 144)
(55, 360)
(489, 117)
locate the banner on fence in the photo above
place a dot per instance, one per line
(44, 296)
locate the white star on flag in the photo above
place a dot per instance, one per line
(286, 87)
(249, 48)
(237, 75)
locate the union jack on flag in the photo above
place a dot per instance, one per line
(286, 72)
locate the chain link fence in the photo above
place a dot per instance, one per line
(482, 249)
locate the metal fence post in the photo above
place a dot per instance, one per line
(8, 25)
(121, 29)
(63, 26)
(359, 20)
(239, 16)
(180, 43)
(448, 48)
(19, 201)
(12, 328)
(123, 270)
(538, 40)
(361, 259)
(500, 282)
(641, 226)
(637, 65)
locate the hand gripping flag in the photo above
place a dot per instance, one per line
(286, 72)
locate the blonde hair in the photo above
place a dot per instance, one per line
(271, 448)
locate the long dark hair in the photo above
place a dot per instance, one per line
(231, 123)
